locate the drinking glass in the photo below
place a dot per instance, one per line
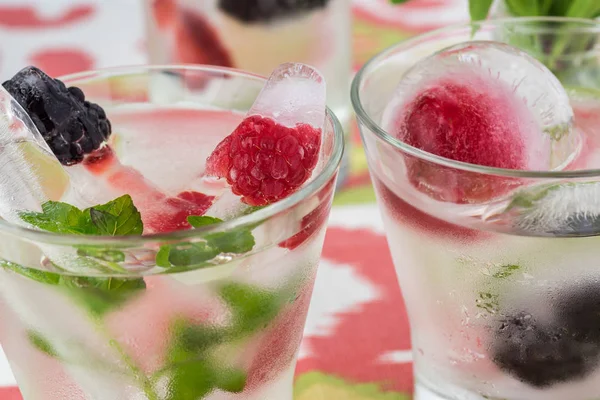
(498, 267)
(215, 312)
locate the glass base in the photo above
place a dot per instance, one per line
(427, 391)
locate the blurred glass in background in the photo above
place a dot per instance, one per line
(256, 36)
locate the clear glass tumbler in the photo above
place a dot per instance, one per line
(498, 267)
(215, 312)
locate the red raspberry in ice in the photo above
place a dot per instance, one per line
(178, 209)
(456, 121)
(477, 120)
(265, 162)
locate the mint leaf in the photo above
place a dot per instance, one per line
(527, 198)
(252, 308)
(101, 253)
(251, 209)
(521, 8)
(583, 9)
(398, 1)
(97, 295)
(192, 339)
(193, 374)
(198, 221)
(41, 343)
(479, 9)
(191, 380)
(506, 271)
(102, 295)
(544, 7)
(118, 217)
(105, 223)
(237, 241)
(186, 256)
(49, 278)
(58, 218)
(231, 380)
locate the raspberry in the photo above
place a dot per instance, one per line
(476, 120)
(459, 122)
(266, 10)
(264, 161)
(72, 126)
(173, 215)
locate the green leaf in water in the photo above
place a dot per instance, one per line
(42, 344)
(479, 9)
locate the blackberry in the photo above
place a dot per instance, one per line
(267, 10)
(579, 310)
(72, 126)
(542, 355)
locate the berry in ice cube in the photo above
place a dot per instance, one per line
(276, 147)
(481, 103)
(70, 125)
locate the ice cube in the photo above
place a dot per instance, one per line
(526, 107)
(29, 172)
(294, 94)
(557, 209)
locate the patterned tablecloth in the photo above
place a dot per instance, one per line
(356, 343)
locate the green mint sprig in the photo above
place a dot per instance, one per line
(118, 217)
(41, 343)
(192, 366)
(187, 256)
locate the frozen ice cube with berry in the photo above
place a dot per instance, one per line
(483, 103)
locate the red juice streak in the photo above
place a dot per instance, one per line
(160, 213)
(313, 221)
(417, 219)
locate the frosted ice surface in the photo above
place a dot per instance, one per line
(295, 93)
(568, 209)
(539, 90)
(21, 186)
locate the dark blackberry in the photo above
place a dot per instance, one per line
(267, 10)
(72, 126)
(540, 355)
(579, 311)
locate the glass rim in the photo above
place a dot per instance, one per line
(265, 213)
(364, 117)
